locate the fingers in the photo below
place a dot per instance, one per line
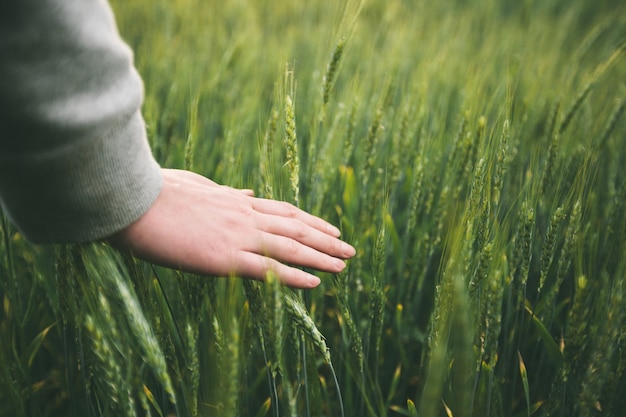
(296, 237)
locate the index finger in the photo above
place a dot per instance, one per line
(284, 209)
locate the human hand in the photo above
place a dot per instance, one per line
(202, 227)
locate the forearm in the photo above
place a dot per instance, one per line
(75, 164)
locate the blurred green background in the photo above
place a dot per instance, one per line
(473, 153)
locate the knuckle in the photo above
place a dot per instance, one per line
(335, 247)
(243, 208)
(301, 230)
(292, 247)
(271, 266)
(289, 210)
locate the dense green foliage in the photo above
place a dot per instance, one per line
(473, 153)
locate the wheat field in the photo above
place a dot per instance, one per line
(473, 153)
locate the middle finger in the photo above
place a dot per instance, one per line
(305, 234)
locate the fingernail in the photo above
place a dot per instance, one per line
(340, 264)
(347, 250)
(314, 281)
(333, 230)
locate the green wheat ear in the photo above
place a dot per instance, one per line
(569, 115)
(416, 192)
(192, 134)
(348, 142)
(291, 142)
(566, 255)
(549, 246)
(145, 336)
(523, 248)
(370, 147)
(258, 309)
(356, 343)
(377, 294)
(600, 372)
(612, 123)
(502, 161)
(266, 159)
(111, 377)
(553, 137)
(297, 312)
(331, 70)
(275, 317)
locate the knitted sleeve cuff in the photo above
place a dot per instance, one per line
(83, 192)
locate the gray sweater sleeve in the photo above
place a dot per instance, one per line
(75, 164)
